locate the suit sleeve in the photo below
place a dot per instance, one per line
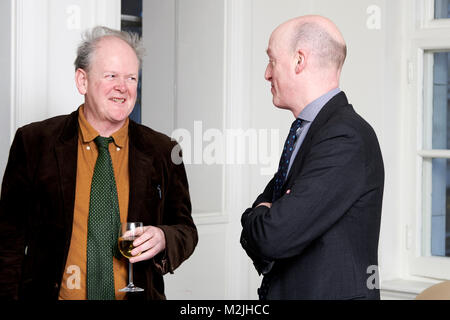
(179, 228)
(331, 180)
(15, 188)
(262, 265)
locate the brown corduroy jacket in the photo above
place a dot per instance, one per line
(37, 205)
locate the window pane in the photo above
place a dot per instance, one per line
(440, 180)
(441, 112)
(440, 212)
(441, 9)
(132, 7)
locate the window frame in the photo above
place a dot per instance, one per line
(427, 18)
(426, 39)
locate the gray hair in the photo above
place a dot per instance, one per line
(92, 37)
(330, 53)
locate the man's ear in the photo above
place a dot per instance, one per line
(81, 81)
(301, 61)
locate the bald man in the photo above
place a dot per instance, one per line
(313, 233)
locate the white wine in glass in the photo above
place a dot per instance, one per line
(128, 232)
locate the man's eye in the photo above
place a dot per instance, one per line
(110, 76)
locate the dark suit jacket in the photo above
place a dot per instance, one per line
(37, 205)
(323, 236)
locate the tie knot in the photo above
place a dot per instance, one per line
(103, 142)
(296, 124)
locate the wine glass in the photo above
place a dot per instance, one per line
(128, 232)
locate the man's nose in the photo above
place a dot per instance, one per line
(268, 73)
(120, 85)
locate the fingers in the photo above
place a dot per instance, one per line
(267, 204)
(145, 236)
(146, 255)
(149, 244)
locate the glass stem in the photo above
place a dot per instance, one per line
(130, 274)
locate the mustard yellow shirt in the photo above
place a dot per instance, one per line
(73, 285)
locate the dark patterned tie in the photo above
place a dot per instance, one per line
(289, 145)
(103, 226)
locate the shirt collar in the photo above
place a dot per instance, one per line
(310, 112)
(88, 133)
(121, 135)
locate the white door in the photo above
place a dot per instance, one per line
(187, 92)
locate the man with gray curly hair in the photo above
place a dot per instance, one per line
(93, 36)
(72, 180)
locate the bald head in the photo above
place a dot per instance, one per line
(306, 55)
(320, 36)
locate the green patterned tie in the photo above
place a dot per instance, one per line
(103, 226)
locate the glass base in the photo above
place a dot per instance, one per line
(131, 288)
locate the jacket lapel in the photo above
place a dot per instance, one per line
(322, 117)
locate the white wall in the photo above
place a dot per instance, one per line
(187, 85)
(5, 82)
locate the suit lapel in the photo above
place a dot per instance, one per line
(322, 117)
